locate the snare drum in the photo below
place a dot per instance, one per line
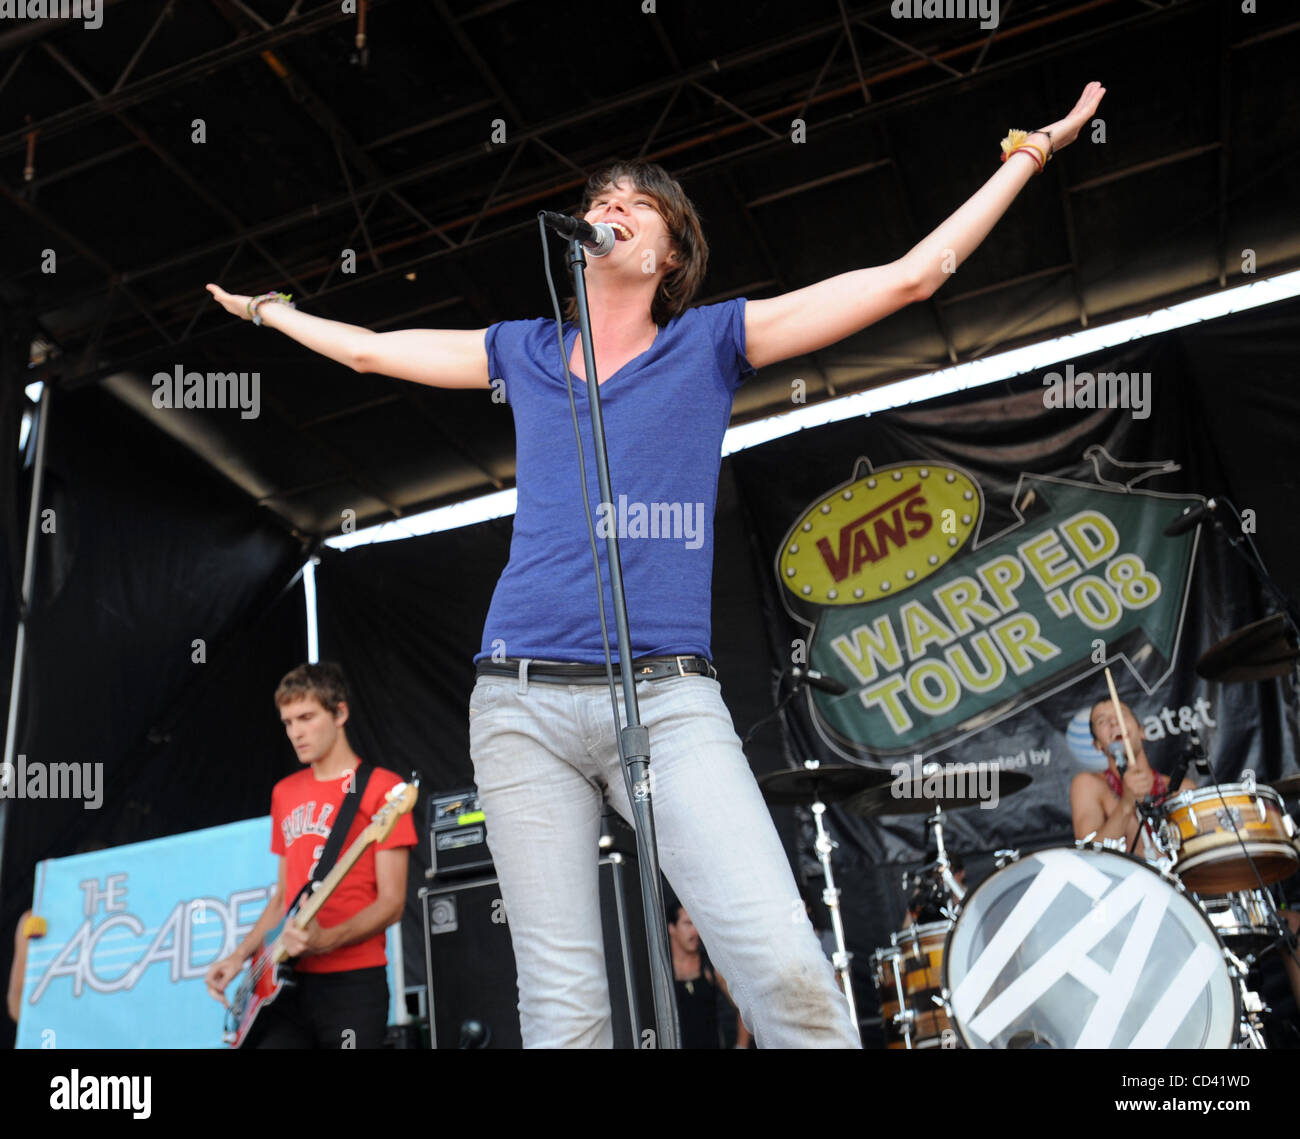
(1204, 831)
(908, 976)
(1090, 948)
(1244, 920)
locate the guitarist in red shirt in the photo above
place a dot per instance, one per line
(340, 998)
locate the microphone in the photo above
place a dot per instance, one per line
(1190, 518)
(1116, 750)
(598, 239)
(818, 680)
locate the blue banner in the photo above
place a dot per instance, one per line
(131, 931)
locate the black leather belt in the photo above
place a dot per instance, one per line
(568, 672)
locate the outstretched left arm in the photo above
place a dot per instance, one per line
(810, 318)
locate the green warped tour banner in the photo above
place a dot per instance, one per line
(968, 567)
(939, 634)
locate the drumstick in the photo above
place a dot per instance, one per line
(1119, 715)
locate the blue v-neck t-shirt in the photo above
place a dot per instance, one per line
(665, 414)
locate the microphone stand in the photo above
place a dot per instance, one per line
(633, 738)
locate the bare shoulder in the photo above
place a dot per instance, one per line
(1090, 791)
(1088, 783)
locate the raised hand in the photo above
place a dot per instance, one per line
(1066, 130)
(1139, 780)
(233, 304)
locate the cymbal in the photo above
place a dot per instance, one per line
(831, 783)
(1288, 785)
(911, 797)
(1258, 651)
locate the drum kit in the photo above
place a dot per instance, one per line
(1074, 946)
(1079, 946)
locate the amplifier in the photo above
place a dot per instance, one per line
(470, 963)
(457, 834)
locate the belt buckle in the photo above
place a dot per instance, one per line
(680, 670)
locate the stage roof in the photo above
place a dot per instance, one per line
(311, 146)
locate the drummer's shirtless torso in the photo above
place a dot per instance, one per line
(1096, 808)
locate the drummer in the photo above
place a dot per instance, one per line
(1104, 804)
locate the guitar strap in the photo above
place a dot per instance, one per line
(338, 832)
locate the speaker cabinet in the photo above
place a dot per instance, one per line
(470, 964)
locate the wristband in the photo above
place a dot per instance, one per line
(1018, 140)
(255, 304)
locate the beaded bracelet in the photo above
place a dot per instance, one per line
(1019, 140)
(255, 304)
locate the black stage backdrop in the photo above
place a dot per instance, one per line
(1224, 410)
(405, 618)
(149, 552)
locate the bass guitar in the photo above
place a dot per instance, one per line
(268, 975)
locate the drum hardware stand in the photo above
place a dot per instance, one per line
(831, 896)
(904, 1018)
(1252, 1007)
(937, 875)
(941, 869)
(941, 865)
(1151, 826)
(1090, 840)
(813, 786)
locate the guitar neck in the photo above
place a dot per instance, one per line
(321, 894)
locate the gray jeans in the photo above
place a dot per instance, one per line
(543, 753)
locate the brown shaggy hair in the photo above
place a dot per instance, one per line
(680, 285)
(324, 681)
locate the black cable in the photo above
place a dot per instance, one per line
(1257, 563)
(775, 712)
(1285, 936)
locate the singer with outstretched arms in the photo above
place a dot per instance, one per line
(542, 737)
(1105, 804)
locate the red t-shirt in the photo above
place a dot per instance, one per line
(302, 808)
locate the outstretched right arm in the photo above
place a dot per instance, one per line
(442, 358)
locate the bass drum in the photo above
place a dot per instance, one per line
(1087, 948)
